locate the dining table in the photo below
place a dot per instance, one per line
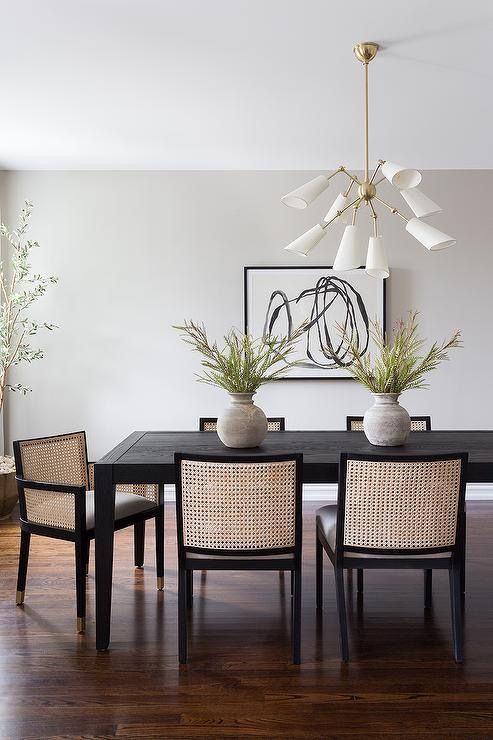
(148, 457)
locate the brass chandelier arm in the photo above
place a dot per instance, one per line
(375, 171)
(351, 177)
(392, 209)
(374, 217)
(339, 213)
(355, 212)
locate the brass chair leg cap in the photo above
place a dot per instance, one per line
(19, 598)
(160, 583)
(81, 625)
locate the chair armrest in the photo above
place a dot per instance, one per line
(37, 485)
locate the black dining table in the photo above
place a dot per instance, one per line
(148, 457)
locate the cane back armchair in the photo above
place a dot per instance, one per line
(238, 513)
(55, 500)
(418, 424)
(395, 512)
(274, 424)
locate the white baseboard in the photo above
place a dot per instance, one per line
(328, 493)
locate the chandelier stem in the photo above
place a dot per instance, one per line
(366, 120)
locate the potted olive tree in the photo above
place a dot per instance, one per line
(20, 287)
(398, 364)
(241, 366)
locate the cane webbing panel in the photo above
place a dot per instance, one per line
(273, 425)
(417, 425)
(54, 460)
(149, 491)
(238, 506)
(401, 505)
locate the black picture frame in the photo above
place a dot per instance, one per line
(316, 373)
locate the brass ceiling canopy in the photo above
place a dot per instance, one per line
(365, 51)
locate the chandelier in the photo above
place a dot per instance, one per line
(364, 193)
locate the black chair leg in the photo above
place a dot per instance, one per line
(341, 611)
(159, 528)
(297, 616)
(360, 580)
(292, 583)
(463, 562)
(88, 553)
(428, 577)
(22, 572)
(182, 615)
(189, 579)
(80, 583)
(319, 573)
(139, 542)
(455, 604)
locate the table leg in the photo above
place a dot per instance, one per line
(104, 512)
(463, 560)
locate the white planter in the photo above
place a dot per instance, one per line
(386, 423)
(242, 424)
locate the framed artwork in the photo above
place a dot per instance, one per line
(279, 299)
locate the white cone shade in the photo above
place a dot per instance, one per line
(304, 195)
(305, 243)
(376, 259)
(400, 176)
(419, 203)
(348, 255)
(429, 237)
(338, 205)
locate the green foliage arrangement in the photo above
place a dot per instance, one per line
(19, 288)
(400, 363)
(244, 363)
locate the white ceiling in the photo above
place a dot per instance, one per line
(243, 84)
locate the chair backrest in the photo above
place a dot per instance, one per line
(274, 424)
(418, 423)
(61, 459)
(400, 505)
(248, 505)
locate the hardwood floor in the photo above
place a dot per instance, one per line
(402, 680)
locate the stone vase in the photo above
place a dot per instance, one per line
(8, 494)
(242, 424)
(386, 423)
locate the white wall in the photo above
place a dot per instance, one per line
(139, 251)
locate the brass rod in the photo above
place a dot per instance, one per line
(375, 172)
(391, 208)
(366, 121)
(355, 211)
(339, 213)
(374, 217)
(379, 181)
(346, 193)
(352, 177)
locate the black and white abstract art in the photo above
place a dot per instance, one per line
(279, 299)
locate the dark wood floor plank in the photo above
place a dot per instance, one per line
(402, 680)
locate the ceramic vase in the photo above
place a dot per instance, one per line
(386, 423)
(242, 424)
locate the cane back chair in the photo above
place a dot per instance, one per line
(395, 512)
(55, 500)
(418, 424)
(274, 424)
(238, 513)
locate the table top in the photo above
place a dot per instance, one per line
(153, 451)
